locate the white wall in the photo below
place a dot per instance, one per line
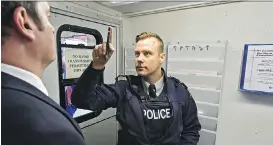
(245, 119)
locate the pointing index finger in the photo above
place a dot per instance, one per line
(111, 36)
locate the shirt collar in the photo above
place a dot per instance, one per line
(25, 76)
(158, 85)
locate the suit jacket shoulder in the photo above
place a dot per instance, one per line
(33, 118)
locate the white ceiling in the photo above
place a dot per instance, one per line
(132, 6)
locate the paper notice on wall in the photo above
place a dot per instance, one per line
(76, 61)
(258, 68)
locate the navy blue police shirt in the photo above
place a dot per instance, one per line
(167, 119)
(156, 109)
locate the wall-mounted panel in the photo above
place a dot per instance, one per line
(208, 123)
(198, 79)
(195, 64)
(205, 95)
(206, 109)
(200, 65)
(207, 137)
(200, 50)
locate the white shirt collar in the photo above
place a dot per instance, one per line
(158, 85)
(25, 76)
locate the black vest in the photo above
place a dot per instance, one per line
(157, 113)
(131, 116)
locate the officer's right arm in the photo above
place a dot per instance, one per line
(90, 93)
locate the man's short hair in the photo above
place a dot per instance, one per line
(7, 10)
(145, 35)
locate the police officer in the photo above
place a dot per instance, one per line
(152, 109)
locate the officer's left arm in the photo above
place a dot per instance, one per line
(190, 134)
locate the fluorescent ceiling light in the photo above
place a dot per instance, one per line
(122, 2)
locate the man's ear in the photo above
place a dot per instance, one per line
(162, 57)
(23, 23)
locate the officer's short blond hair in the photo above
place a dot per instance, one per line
(145, 35)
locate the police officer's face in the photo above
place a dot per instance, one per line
(148, 56)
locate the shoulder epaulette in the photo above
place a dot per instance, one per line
(178, 82)
(121, 77)
(128, 78)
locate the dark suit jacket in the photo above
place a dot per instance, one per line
(29, 117)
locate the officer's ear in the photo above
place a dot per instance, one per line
(162, 57)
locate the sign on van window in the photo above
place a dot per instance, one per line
(75, 40)
(76, 61)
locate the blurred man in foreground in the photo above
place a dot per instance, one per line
(29, 116)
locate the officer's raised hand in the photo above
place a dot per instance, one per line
(99, 55)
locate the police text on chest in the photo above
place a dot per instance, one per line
(157, 114)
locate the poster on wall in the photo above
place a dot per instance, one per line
(257, 68)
